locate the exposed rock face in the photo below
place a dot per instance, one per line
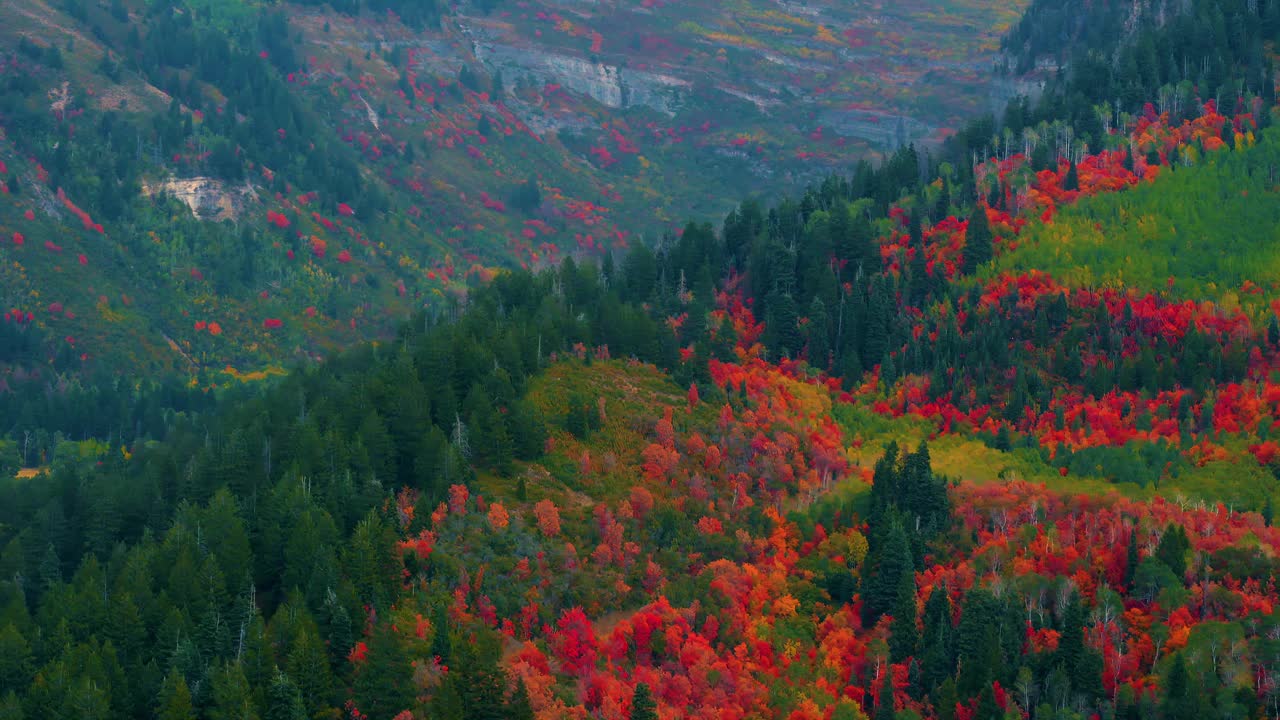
(610, 85)
(208, 198)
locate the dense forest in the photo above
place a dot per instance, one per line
(876, 451)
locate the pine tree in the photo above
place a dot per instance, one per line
(1180, 701)
(232, 696)
(643, 706)
(987, 708)
(885, 487)
(1172, 550)
(819, 333)
(918, 274)
(15, 659)
(446, 703)
(904, 635)
(977, 642)
(441, 647)
(945, 699)
(175, 699)
(1131, 558)
(977, 244)
(384, 683)
(1071, 643)
(284, 702)
(308, 669)
(937, 640)
(519, 707)
(884, 708)
(882, 580)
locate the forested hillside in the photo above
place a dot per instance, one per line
(975, 433)
(189, 186)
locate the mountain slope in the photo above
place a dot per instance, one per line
(368, 167)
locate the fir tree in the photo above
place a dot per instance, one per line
(1172, 550)
(937, 640)
(904, 635)
(175, 699)
(1131, 559)
(519, 707)
(884, 707)
(977, 244)
(643, 706)
(284, 702)
(384, 683)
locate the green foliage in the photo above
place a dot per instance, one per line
(643, 706)
(977, 244)
(1202, 226)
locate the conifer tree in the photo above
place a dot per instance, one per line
(937, 640)
(977, 244)
(643, 706)
(284, 702)
(175, 699)
(885, 708)
(519, 707)
(384, 683)
(904, 637)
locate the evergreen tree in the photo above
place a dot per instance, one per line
(1131, 558)
(937, 640)
(1173, 548)
(884, 706)
(888, 559)
(175, 699)
(384, 684)
(977, 642)
(1179, 701)
(884, 483)
(819, 334)
(519, 707)
(643, 706)
(15, 659)
(308, 669)
(284, 702)
(987, 708)
(977, 244)
(1072, 181)
(904, 637)
(441, 647)
(232, 696)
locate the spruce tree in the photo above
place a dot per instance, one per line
(904, 637)
(977, 244)
(284, 702)
(1131, 559)
(819, 335)
(1072, 181)
(643, 706)
(1179, 702)
(175, 699)
(937, 641)
(441, 647)
(977, 642)
(232, 696)
(1172, 550)
(885, 709)
(384, 684)
(887, 560)
(519, 707)
(987, 708)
